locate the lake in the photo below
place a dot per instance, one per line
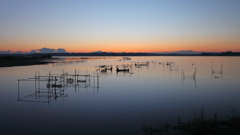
(78, 96)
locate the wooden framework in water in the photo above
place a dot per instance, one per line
(56, 85)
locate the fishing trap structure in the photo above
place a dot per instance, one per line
(53, 86)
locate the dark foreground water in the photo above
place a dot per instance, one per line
(115, 102)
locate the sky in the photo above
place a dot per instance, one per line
(120, 25)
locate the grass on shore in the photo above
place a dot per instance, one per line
(215, 125)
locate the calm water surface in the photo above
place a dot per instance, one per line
(116, 103)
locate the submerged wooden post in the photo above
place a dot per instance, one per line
(78, 74)
(60, 77)
(64, 77)
(49, 77)
(221, 68)
(97, 80)
(55, 81)
(89, 79)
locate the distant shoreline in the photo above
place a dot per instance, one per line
(11, 61)
(228, 53)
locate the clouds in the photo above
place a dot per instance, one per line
(97, 52)
(42, 50)
(49, 50)
(46, 50)
(33, 51)
(5, 52)
(61, 50)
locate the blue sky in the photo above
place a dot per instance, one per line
(109, 24)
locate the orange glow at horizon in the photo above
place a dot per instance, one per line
(125, 46)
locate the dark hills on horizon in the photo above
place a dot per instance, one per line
(228, 53)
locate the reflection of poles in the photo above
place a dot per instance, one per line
(163, 68)
(63, 75)
(194, 74)
(97, 83)
(62, 95)
(221, 68)
(75, 79)
(78, 74)
(93, 80)
(193, 77)
(38, 81)
(221, 71)
(53, 85)
(48, 92)
(217, 72)
(195, 82)
(88, 80)
(18, 91)
(60, 79)
(93, 83)
(183, 77)
(55, 81)
(36, 84)
(55, 94)
(66, 79)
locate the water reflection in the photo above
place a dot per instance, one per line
(42, 95)
(171, 86)
(216, 71)
(104, 68)
(189, 77)
(67, 61)
(124, 58)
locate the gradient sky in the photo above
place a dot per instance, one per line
(120, 25)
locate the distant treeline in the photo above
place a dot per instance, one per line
(229, 53)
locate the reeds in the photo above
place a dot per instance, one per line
(198, 125)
